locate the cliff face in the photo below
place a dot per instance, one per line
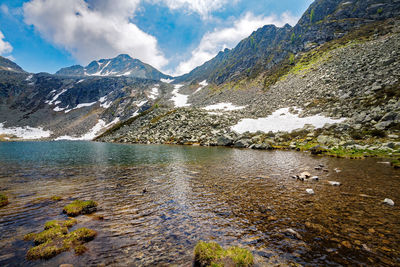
(323, 21)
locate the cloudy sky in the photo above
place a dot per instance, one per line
(174, 36)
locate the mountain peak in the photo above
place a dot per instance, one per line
(121, 65)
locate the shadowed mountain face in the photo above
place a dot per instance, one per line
(323, 21)
(122, 65)
(6, 64)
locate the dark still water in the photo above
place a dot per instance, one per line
(231, 196)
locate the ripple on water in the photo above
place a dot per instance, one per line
(235, 197)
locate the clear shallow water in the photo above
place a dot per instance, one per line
(232, 196)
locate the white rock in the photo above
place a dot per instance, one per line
(315, 178)
(388, 201)
(334, 183)
(310, 191)
(305, 175)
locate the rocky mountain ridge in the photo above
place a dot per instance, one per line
(323, 21)
(122, 65)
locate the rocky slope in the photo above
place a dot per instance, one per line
(122, 65)
(355, 78)
(323, 21)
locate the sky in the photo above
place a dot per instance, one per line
(174, 36)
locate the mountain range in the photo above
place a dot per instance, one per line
(122, 65)
(273, 68)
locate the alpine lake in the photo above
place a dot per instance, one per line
(155, 202)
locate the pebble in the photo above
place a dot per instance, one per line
(310, 191)
(66, 265)
(314, 178)
(334, 183)
(337, 170)
(388, 201)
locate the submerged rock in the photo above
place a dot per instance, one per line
(292, 233)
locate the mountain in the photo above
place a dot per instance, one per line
(54, 106)
(8, 65)
(323, 21)
(122, 65)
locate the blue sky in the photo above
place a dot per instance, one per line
(172, 35)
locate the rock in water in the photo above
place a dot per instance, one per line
(388, 201)
(310, 191)
(334, 183)
(305, 175)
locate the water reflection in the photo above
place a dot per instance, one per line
(231, 196)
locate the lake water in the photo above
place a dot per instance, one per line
(231, 196)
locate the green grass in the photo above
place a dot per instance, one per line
(78, 207)
(212, 254)
(3, 200)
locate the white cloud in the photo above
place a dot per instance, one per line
(5, 47)
(4, 9)
(202, 7)
(219, 39)
(93, 29)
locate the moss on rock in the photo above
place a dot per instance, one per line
(212, 254)
(78, 207)
(56, 223)
(3, 200)
(55, 239)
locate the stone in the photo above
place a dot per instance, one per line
(224, 141)
(310, 191)
(334, 183)
(305, 175)
(388, 201)
(314, 178)
(292, 233)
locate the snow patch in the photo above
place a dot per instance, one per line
(141, 103)
(80, 81)
(29, 78)
(51, 102)
(92, 133)
(179, 99)
(58, 109)
(167, 80)
(281, 120)
(224, 107)
(154, 92)
(81, 106)
(202, 85)
(26, 132)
